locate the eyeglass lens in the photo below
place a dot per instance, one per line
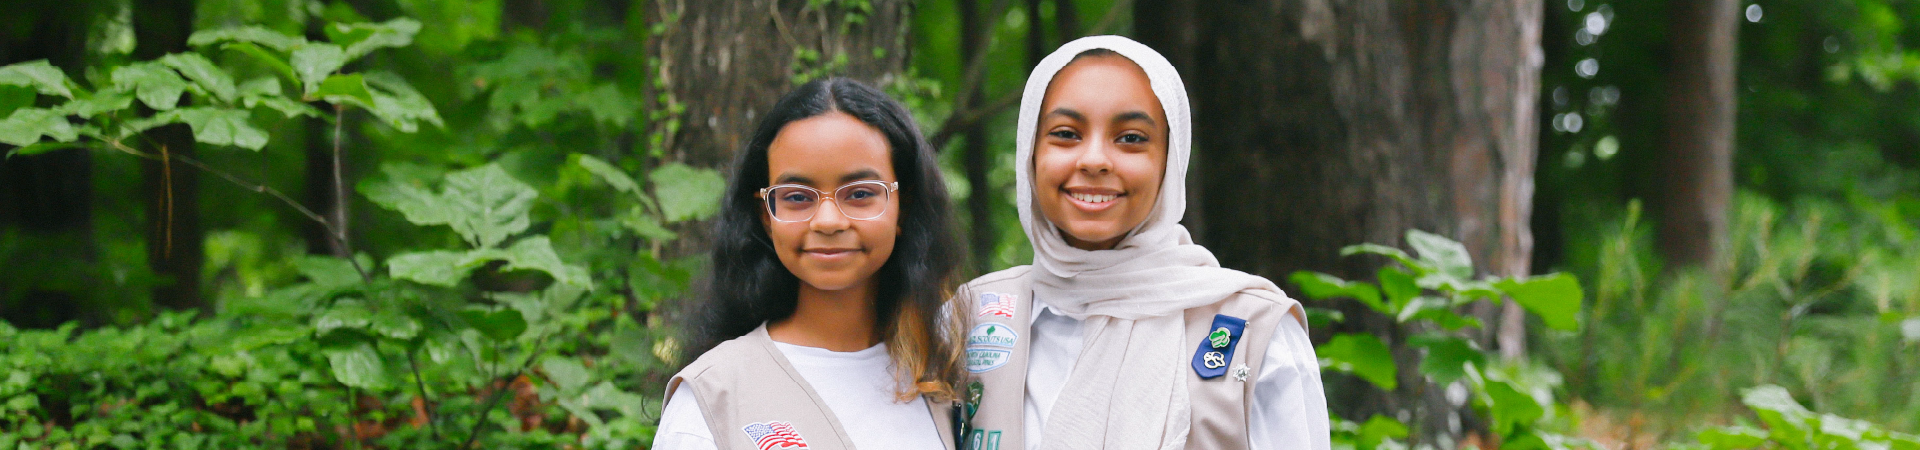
(858, 201)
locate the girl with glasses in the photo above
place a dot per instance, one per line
(1124, 334)
(831, 260)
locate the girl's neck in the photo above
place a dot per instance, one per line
(840, 321)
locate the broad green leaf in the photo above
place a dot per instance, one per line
(419, 205)
(362, 38)
(1555, 298)
(345, 314)
(1380, 428)
(348, 89)
(156, 85)
(1447, 357)
(397, 103)
(259, 87)
(43, 147)
(1399, 287)
(358, 366)
(609, 106)
(487, 205)
(203, 72)
(139, 125)
(1320, 286)
(395, 325)
(536, 253)
(566, 373)
(608, 173)
(1444, 255)
(436, 267)
(313, 63)
(646, 226)
(1509, 407)
(686, 192)
(505, 324)
(221, 126)
(274, 61)
(1382, 250)
(1364, 355)
(287, 107)
(250, 34)
(109, 99)
(37, 74)
(26, 125)
(329, 272)
(1733, 437)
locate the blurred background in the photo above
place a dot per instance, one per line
(406, 223)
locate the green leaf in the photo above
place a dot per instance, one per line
(156, 85)
(397, 326)
(1444, 255)
(1364, 355)
(1399, 287)
(43, 147)
(26, 125)
(1320, 286)
(608, 105)
(566, 373)
(487, 204)
(313, 63)
(1447, 357)
(249, 34)
(273, 61)
(1510, 408)
(436, 267)
(646, 226)
(259, 87)
(1379, 429)
(397, 103)
(37, 74)
(102, 101)
(1555, 298)
(503, 325)
(362, 38)
(1377, 249)
(1733, 437)
(419, 205)
(358, 366)
(686, 192)
(345, 314)
(329, 272)
(203, 72)
(287, 107)
(221, 126)
(608, 173)
(536, 253)
(348, 89)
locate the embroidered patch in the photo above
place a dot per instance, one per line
(996, 304)
(990, 346)
(773, 435)
(983, 440)
(1210, 361)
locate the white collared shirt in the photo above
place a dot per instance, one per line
(1290, 406)
(857, 386)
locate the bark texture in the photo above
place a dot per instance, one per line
(1321, 124)
(1696, 165)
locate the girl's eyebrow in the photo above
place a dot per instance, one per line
(1071, 114)
(1134, 115)
(862, 174)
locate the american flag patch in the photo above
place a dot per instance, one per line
(996, 304)
(773, 435)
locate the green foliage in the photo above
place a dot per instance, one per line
(1790, 426)
(1428, 293)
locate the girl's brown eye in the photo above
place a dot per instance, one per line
(1133, 138)
(1065, 134)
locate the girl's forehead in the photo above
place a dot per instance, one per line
(828, 150)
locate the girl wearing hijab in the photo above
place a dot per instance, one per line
(1124, 334)
(832, 256)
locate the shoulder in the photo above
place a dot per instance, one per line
(741, 353)
(1267, 306)
(1000, 277)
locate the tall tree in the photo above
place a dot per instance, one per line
(175, 239)
(1696, 165)
(1323, 124)
(726, 62)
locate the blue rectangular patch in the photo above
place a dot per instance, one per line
(1216, 348)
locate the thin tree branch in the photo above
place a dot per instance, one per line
(433, 420)
(494, 400)
(962, 120)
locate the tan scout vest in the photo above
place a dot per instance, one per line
(1220, 405)
(747, 390)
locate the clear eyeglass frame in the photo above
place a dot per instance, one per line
(887, 188)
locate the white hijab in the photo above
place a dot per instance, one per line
(1128, 388)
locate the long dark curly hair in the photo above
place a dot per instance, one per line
(748, 285)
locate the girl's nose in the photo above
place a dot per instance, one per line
(829, 219)
(1094, 160)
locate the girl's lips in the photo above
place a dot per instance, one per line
(1092, 202)
(830, 254)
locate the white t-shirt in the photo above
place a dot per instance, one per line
(857, 386)
(1289, 409)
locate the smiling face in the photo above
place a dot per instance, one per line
(1101, 151)
(831, 252)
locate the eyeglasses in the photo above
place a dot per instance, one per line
(859, 200)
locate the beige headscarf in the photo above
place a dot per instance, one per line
(1128, 388)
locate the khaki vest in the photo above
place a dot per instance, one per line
(749, 393)
(1220, 405)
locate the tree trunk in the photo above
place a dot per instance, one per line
(983, 237)
(1696, 167)
(175, 240)
(48, 198)
(727, 62)
(1323, 124)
